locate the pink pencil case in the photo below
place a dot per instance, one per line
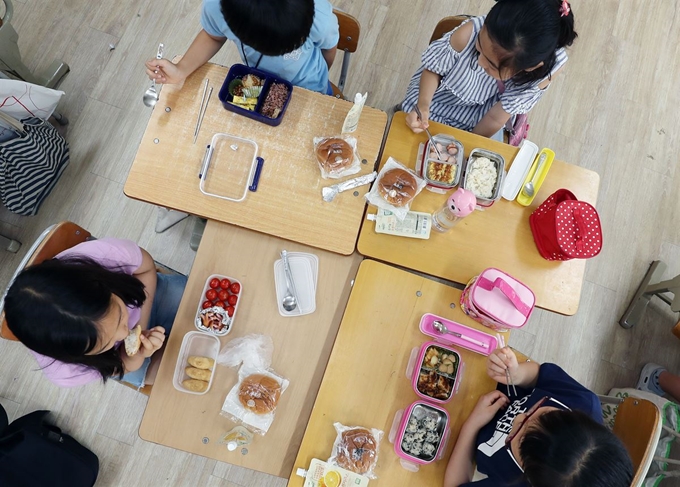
(485, 343)
(498, 300)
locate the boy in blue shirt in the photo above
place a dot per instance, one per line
(295, 39)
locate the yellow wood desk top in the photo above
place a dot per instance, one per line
(365, 382)
(288, 202)
(499, 236)
(302, 346)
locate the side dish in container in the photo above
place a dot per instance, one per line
(219, 302)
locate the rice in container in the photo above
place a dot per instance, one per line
(469, 180)
(420, 434)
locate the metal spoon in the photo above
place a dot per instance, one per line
(529, 187)
(441, 328)
(150, 97)
(289, 301)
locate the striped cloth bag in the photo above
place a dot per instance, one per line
(30, 166)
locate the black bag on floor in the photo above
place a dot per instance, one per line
(36, 454)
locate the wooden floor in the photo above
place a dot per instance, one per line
(613, 110)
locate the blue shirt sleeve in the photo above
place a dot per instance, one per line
(325, 31)
(212, 19)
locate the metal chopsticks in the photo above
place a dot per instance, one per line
(434, 144)
(508, 379)
(202, 108)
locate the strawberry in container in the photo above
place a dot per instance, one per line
(218, 305)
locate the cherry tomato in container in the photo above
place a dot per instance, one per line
(223, 295)
(211, 294)
(235, 288)
(225, 283)
(221, 304)
(214, 283)
(206, 304)
(230, 311)
(232, 300)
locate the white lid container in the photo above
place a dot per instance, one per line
(195, 343)
(519, 169)
(228, 167)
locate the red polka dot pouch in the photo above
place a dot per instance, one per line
(565, 228)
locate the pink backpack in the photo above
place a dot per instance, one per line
(517, 129)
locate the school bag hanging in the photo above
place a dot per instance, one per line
(497, 300)
(34, 453)
(517, 127)
(565, 228)
(30, 164)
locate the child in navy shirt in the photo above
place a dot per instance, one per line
(549, 434)
(294, 39)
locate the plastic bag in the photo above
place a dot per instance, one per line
(395, 188)
(356, 449)
(253, 400)
(337, 156)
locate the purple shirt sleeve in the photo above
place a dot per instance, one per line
(117, 255)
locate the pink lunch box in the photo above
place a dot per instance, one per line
(420, 434)
(498, 300)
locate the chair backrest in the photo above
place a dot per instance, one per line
(638, 426)
(447, 24)
(51, 242)
(349, 31)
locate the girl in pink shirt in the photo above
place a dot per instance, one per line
(74, 311)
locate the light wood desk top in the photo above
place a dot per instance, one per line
(365, 382)
(499, 236)
(288, 202)
(302, 346)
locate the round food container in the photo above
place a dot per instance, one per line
(419, 434)
(214, 318)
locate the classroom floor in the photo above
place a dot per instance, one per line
(612, 110)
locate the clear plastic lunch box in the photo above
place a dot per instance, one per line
(229, 167)
(499, 162)
(197, 320)
(425, 163)
(199, 344)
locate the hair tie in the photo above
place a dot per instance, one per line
(564, 8)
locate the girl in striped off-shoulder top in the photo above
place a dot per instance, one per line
(491, 68)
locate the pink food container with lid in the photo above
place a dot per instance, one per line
(435, 371)
(420, 434)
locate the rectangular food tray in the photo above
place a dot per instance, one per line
(240, 70)
(499, 162)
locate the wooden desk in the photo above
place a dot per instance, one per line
(365, 382)
(302, 346)
(288, 201)
(497, 237)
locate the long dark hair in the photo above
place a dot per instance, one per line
(570, 449)
(53, 308)
(530, 31)
(271, 27)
